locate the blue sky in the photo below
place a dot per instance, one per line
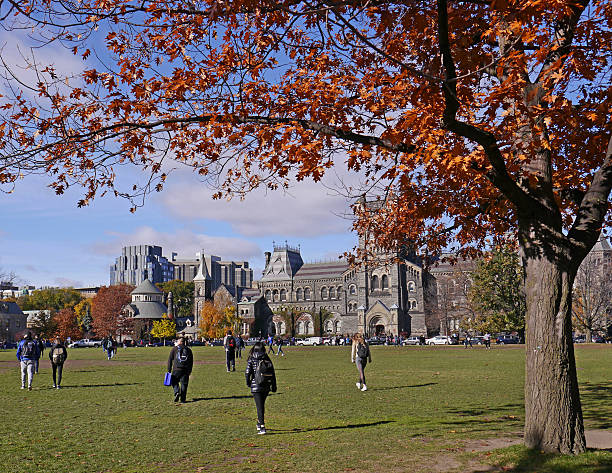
(48, 241)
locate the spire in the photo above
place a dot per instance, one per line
(202, 271)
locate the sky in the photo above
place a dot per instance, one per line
(48, 241)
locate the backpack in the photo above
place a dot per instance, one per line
(264, 374)
(362, 351)
(28, 349)
(57, 356)
(182, 355)
(109, 344)
(231, 343)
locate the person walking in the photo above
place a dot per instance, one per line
(487, 340)
(360, 355)
(467, 341)
(270, 344)
(239, 347)
(180, 364)
(279, 343)
(229, 343)
(109, 348)
(27, 354)
(57, 356)
(261, 378)
(41, 349)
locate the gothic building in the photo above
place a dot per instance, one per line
(386, 299)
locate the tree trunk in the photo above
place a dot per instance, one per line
(553, 414)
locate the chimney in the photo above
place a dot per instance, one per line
(268, 255)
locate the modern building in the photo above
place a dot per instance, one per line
(141, 262)
(13, 322)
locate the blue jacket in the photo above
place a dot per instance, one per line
(35, 354)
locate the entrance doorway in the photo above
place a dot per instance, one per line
(379, 330)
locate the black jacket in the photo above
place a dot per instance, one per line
(251, 367)
(172, 361)
(58, 346)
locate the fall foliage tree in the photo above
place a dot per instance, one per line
(53, 299)
(44, 323)
(67, 325)
(106, 310)
(497, 295)
(212, 321)
(471, 119)
(164, 328)
(83, 313)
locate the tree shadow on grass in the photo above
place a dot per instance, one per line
(299, 430)
(112, 385)
(403, 387)
(596, 401)
(529, 461)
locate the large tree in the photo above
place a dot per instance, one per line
(472, 118)
(106, 310)
(67, 325)
(182, 295)
(497, 295)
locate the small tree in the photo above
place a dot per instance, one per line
(83, 313)
(67, 325)
(497, 296)
(164, 328)
(212, 321)
(182, 294)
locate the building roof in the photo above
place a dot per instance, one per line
(148, 309)
(333, 269)
(146, 287)
(602, 244)
(285, 261)
(10, 308)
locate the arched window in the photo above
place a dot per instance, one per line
(275, 295)
(411, 287)
(352, 289)
(306, 327)
(375, 284)
(307, 294)
(300, 327)
(332, 292)
(283, 295)
(268, 295)
(299, 294)
(324, 293)
(338, 326)
(328, 326)
(413, 304)
(384, 282)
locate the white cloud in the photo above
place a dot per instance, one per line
(184, 242)
(307, 209)
(67, 282)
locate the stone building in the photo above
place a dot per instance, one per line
(147, 305)
(12, 321)
(386, 299)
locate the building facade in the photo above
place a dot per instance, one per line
(13, 322)
(228, 273)
(293, 297)
(141, 262)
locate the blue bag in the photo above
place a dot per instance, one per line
(168, 379)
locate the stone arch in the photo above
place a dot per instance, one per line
(304, 324)
(324, 293)
(299, 294)
(378, 323)
(384, 282)
(283, 294)
(307, 293)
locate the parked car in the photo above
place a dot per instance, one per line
(438, 340)
(310, 341)
(598, 339)
(251, 341)
(507, 339)
(478, 340)
(197, 343)
(85, 342)
(8, 345)
(376, 341)
(412, 341)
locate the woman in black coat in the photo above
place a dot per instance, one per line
(260, 377)
(57, 356)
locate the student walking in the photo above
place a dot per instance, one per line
(467, 341)
(360, 355)
(229, 342)
(239, 346)
(260, 377)
(487, 340)
(41, 349)
(279, 344)
(57, 356)
(180, 364)
(270, 344)
(27, 354)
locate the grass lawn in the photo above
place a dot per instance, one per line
(430, 409)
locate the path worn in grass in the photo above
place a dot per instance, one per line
(427, 409)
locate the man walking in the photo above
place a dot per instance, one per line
(270, 344)
(487, 340)
(180, 364)
(239, 346)
(57, 356)
(279, 344)
(229, 343)
(41, 349)
(27, 354)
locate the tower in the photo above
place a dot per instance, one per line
(202, 289)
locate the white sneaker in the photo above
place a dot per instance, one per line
(358, 385)
(364, 388)
(262, 431)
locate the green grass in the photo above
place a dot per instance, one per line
(423, 408)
